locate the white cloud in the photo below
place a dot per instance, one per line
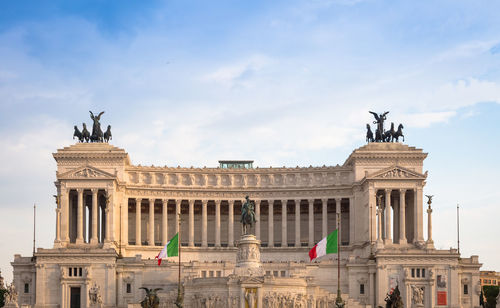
(238, 73)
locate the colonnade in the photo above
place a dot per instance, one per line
(398, 211)
(74, 206)
(143, 206)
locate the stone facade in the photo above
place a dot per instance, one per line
(112, 217)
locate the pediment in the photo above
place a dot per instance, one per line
(86, 172)
(397, 172)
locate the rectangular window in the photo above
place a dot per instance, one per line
(211, 273)
(26, 288)
(268, 273)
(203, 274)
(80, 272)
(129, 288)
(219, 273)
(423, 273)
(75, 273)
(418, 273)
(283, 273)
(70, 272)
(362, 288)
(275, 273)
(413, 273)
(466, 289)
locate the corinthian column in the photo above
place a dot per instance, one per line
(58, 225)
(138, 240)
(164, 222)
(230, 239)
(79, 236)
(94, 239)
(402, 217)
(324, 215)
(430, 242)
(204, 223)
(284, 240)
(311, 222)
(297, 223)
(388, 227)
(270, 223)
(257, 218)
(177, 214)
(217, 223)
(191, 223)
(151, 227)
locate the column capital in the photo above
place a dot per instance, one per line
(178, 201)
(325, 200)
(338, 199)
(191, 201)
(388, 190)
(79, 190)
(298, 201)
(94, 190)
(217, 201)
(152, 200)
(204, 202)
(311, 200)
(164, 201)
(138, 200)
(402, 190)
(230, 201)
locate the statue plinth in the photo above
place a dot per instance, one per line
(248, 257)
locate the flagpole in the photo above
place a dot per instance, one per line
(338, 302)
(180, 300)
(34, 228)
(458, 229)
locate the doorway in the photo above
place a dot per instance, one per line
(75, 297)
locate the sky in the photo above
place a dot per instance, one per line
(283, 83)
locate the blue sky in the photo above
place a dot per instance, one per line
(283, 83)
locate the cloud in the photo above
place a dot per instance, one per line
(238, 73)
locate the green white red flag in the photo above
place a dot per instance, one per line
(325, 246)
(171, 249)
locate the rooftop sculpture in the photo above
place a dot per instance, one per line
(97, 134)
(381, 135)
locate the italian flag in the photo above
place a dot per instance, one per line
(325, 246)
(170, 250)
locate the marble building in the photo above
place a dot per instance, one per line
(113, 217)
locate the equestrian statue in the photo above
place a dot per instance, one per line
(247, 215)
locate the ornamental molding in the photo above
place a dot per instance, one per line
(222, 195)
(396, 172)
(86, 172)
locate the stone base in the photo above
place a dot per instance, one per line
(11, 305)
(248, 257)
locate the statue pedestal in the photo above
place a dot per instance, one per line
(248, 257)
(11, 305)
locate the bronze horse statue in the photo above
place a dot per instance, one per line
(398, 133)
(393, 300)
(247, 215)
(369, 134)
(151, 300)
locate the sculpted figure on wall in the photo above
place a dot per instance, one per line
(95, 295)
(417, 295)
(11, 295)
(250, 298)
